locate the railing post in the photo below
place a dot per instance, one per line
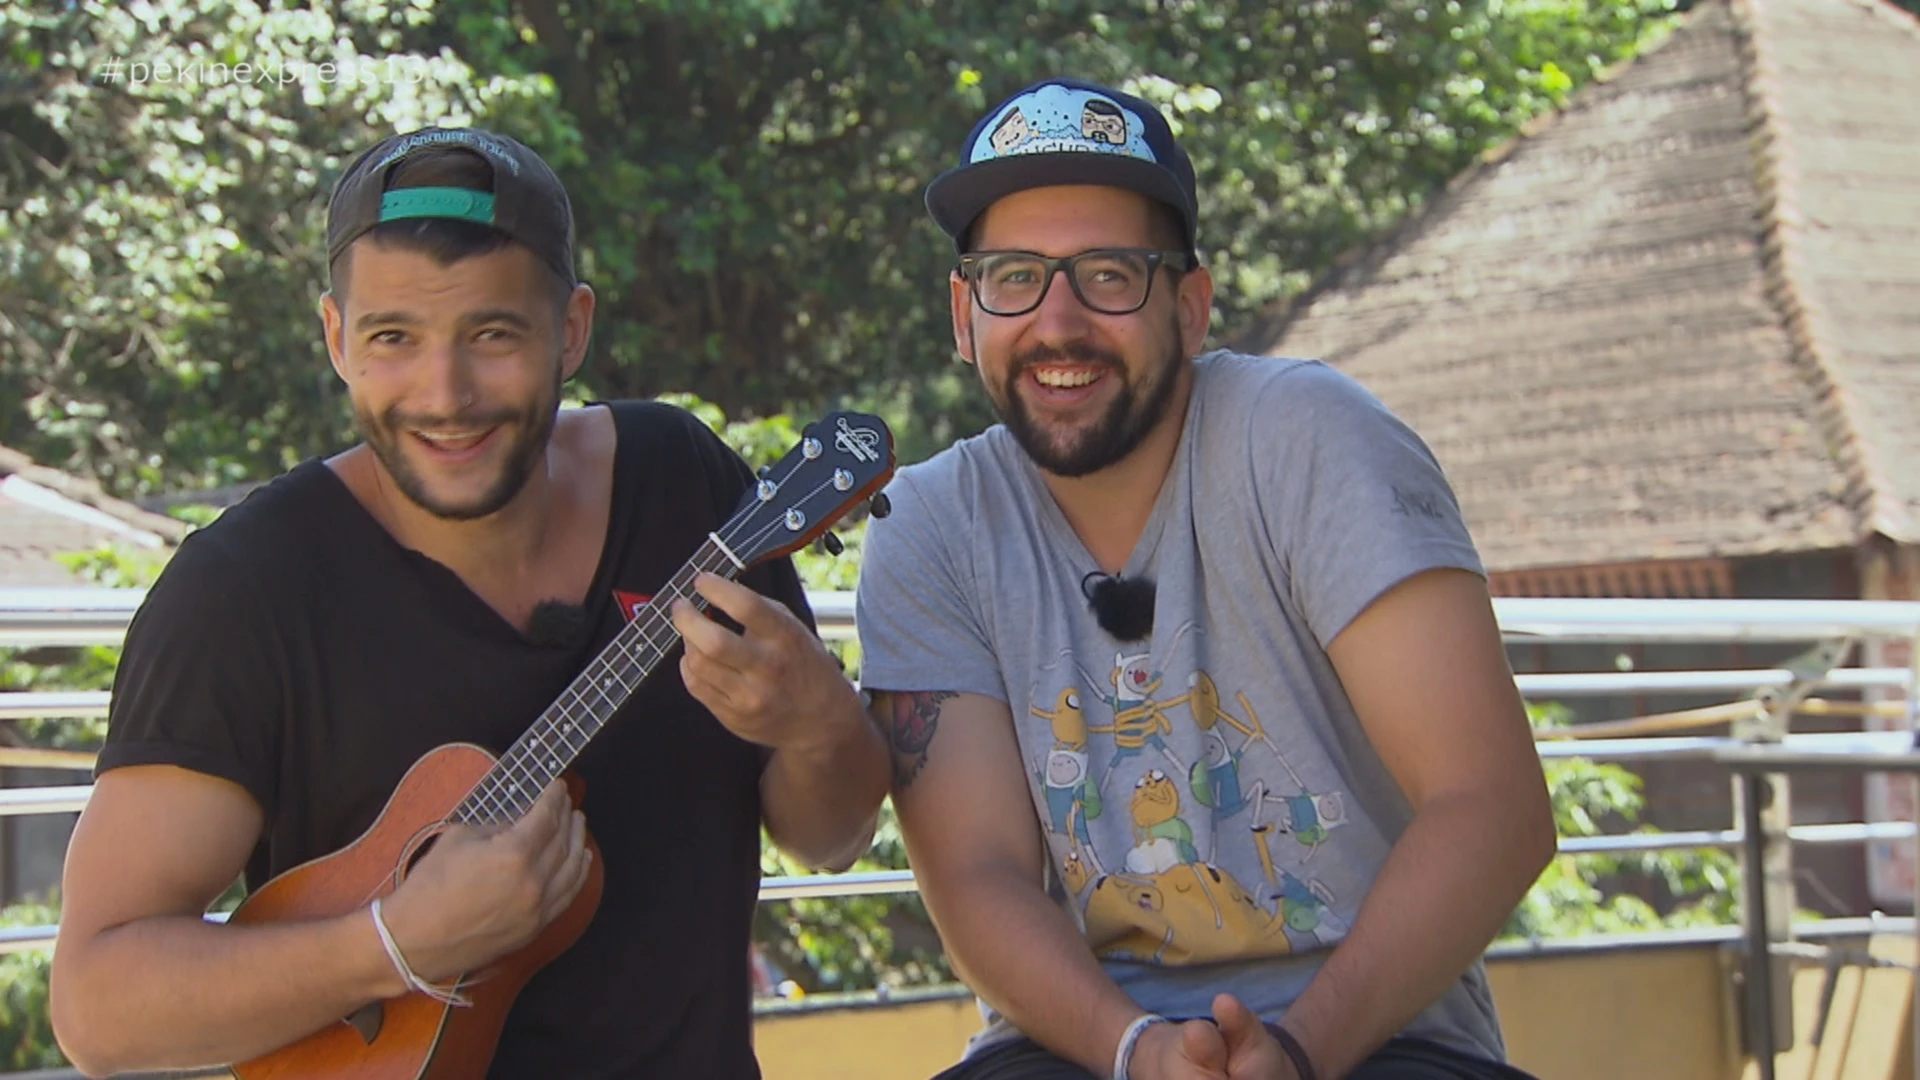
(1763, 808)
(1758, 1017)
(1763, 805)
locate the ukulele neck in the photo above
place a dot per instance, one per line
(556, 740)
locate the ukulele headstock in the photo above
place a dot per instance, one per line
(842, 459)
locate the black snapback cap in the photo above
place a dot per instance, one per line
(528, 203)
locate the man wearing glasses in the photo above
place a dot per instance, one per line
(1207, 753)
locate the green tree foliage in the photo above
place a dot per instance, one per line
(163, 169)
(1584, 894)
(747, 173)
(26, 1024)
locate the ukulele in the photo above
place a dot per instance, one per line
(842, 459)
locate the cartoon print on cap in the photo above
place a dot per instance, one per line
(1011, 131)
(1101, 121)
(1056, 119)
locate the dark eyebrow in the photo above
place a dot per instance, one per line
(498, 315)
(384, 318)
(482, 317)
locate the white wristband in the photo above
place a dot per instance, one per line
(449, 996)
(1123, 1054)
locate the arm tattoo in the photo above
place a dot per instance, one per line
(915, 718)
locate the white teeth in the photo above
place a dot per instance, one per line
(1064, 379)
(444, 438)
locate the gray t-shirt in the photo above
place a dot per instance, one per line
(1213, 808)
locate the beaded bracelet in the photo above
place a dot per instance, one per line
(438, 993)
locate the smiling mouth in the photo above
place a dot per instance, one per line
(453, 441)
(1065, 378)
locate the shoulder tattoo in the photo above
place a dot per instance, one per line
(913, 719)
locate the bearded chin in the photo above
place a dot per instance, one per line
(1132, 414)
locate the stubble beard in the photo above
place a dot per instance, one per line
(532, 428)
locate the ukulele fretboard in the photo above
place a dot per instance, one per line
(563, 731)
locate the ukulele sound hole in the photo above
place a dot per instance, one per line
(415, 853)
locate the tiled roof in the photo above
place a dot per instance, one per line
(45, 513)
(1840, 79)
(1678, 319)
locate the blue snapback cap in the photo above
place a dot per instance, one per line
(1066, 131)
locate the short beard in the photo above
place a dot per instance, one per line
(1134, 412)
(534, 424)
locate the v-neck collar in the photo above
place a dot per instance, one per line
(477, 612)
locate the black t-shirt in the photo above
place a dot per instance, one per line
(295, 648)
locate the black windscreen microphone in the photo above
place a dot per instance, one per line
(556, 623)
(1123, 606)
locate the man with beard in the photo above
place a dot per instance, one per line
(443, 582)
(1239, 596)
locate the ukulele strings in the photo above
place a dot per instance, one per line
(487, 803)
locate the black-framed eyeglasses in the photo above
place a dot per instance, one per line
(1111, 281)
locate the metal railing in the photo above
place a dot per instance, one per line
(1765, 700)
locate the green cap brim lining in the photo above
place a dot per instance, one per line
(459, 204)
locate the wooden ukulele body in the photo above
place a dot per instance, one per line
(412, 1037)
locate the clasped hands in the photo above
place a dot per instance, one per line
(1235, 1046)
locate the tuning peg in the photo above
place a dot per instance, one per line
(880, 506)
(831, 544)
(764, 471)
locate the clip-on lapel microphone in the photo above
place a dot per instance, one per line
(1122, 606)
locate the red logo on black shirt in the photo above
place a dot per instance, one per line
(631, 603)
